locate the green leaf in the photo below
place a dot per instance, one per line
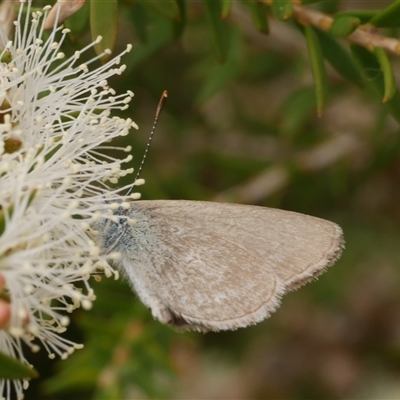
(317, 67)
(180, 23)
(282, 9)
(388, 76)
(344, 26)
(218, 27)
(327, 7)
(373, 75)
(78, 21)
(363, 15)
(388, 17)
(226, 8)
(259, 15)
(10, 368)
(339, 58)
(104, 23)
(167, 8)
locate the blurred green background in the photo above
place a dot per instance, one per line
(241, 125)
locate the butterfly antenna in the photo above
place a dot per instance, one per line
(153, 129)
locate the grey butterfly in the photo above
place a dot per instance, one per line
(215, 266)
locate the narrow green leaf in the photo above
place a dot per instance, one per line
(226, 8)
(327, 7)
(104, 23)
(388, 76)
(10, 368)
(344, 26)
(339, 58)
(388, 17)
(371, 70)
(282, 9)
(180, 23)
(363, 15)
(317, 67)
(52, 152)
(259, 15)
(167, 8)
(218, 27)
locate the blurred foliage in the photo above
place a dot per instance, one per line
(10, 368)
(275, 103)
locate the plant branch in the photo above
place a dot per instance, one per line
(364, 35)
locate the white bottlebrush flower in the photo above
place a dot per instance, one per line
(54, 114)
